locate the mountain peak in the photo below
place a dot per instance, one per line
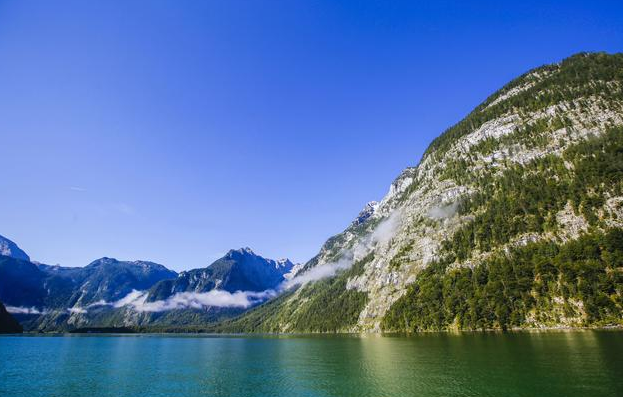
(102, 260)
(9, 248)
(242, 251)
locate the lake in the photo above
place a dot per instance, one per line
(578, 363)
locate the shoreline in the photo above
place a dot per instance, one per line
(127, 331)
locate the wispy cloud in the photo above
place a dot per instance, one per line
(443, 211)
(195, 300)
(319, 272)
(381, 235)
(77, 189)
(137, 300)
(24, 310)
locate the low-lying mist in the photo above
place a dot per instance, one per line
(137, 300)
(381, 235)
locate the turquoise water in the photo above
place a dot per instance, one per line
(581, 363)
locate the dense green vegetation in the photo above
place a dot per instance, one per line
(323, 306)
(526, 198)
(581, 75)
(505, 290)
(501, 291)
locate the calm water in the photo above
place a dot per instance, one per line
(588, 363)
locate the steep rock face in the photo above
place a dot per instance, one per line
(238, 270)
(539, 162)
(9, 248)
(8, 325)
(109, 280)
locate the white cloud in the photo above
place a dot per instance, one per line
(137, 300)
(443, 211)
(381, 235)
(131, 299)
(319, 272)
(200, 300)
(24, 310)
(100, 302)
(77, 189)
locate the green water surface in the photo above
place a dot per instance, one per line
(579, 363)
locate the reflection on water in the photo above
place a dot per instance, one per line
(579, 363)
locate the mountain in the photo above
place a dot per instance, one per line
(9, 248)
(238, 270)
(42, 287)
(196, 298)
(8, 325)
(512, 218)
(22, 284)
(113, 293)
(109, 280)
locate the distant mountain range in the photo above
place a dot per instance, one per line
(238, 270)
(107, 290)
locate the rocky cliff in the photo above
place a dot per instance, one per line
(512, 218)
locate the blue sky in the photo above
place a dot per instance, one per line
(175, 130)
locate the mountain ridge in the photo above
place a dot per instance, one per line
(484, 187)
(110, 292)
(9, 248)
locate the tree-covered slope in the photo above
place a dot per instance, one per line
(512, 218)
(8, 325)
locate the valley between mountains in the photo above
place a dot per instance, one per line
(513, 218)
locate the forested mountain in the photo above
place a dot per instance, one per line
(113, 293)
(8, 325)
(512, 218)
(238, 270)
(33, 285)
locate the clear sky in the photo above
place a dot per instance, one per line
(175, 130)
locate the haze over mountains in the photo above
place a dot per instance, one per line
(513, 218)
